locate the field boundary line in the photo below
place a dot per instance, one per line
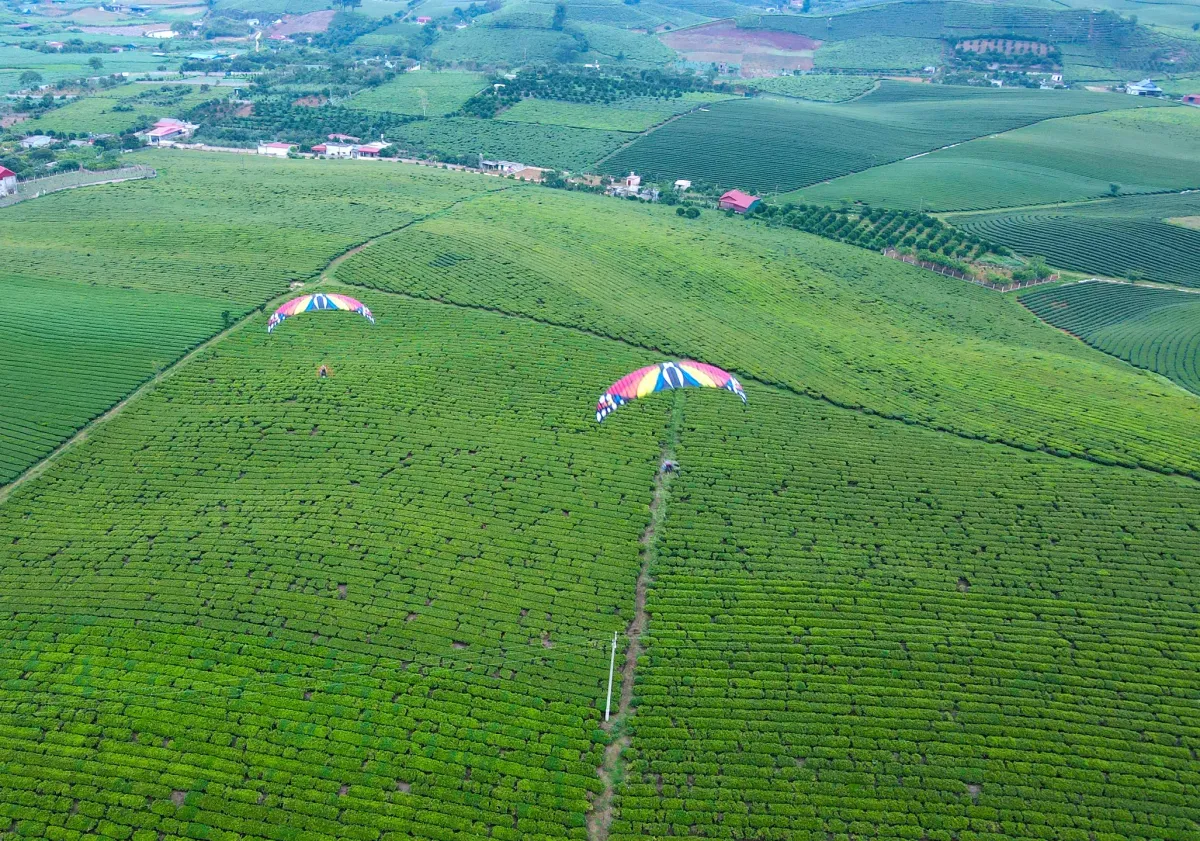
(791, 389)
(39, 467)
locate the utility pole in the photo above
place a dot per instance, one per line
(611, 666)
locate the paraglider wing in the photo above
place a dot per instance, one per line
(663, 377)
(318, 301)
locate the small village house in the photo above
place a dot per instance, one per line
(631, 187)
(36, 141)
(8, 181)
(424, 19)
(275, 150)
(368, 150)
(683, 185)
(501, 167)
(1146, 87)
(1192, 99)
(334, 150)
(738, 202)
(632, 181)
(167, 130)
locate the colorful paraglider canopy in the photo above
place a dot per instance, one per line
(319, 301)
(663, 377)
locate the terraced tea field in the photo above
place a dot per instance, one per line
(863, 628)
(557, 147)
(633, 115)
(1125, 237)
(109, 284)
(1140, 151)
(775, 145)
(777, 305)
(821, 87)
(266, 603)
(1156, 329)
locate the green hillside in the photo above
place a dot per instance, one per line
(424, 93)
(772, 144)
(1156, 329)
(1142, 151)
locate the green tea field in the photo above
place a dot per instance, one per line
(134, 274)
(1140, 151)
(1122, 237)
(633, 115)
(935, 579)
(773, 145)
(1156, 329)
(423, 92)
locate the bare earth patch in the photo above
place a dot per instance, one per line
(757, 52)
(312, 22)
(1192, 223)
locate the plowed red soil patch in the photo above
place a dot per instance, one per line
(312, 22)
(756, 52)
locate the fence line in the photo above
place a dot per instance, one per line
(957, 275)
(35, 187)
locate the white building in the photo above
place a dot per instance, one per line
(161, 34)
(36, 141)
(1146, 87)
(8, 181)
(367, 150)
(334, 150)
(501, 167)
(683, 184)
(275, 150)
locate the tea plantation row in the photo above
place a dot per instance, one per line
(267, 605)
(793, 309)
(1158, 329)
(860, 629)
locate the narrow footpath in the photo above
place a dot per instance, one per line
(612, 771)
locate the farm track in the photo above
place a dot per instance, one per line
(613, 769)
(323, 276)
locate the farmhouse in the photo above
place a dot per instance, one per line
(36, 141)
(737, 201)
(501, 167)
(424, 19)
(1146, 87)
(683, 184)
(1192, 99)
(275, 150)
(368, 150)
(8, 181)
(169, 129)
(334, 150)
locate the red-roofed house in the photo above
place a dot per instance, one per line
(424, 20)
(8, 181)
(369, 150)
(1192, 99)
(737, 201)
(275, 150)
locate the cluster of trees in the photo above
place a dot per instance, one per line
(570, 86)
(1025, 59)
(277, 119)
(70, 45)
(875, 228)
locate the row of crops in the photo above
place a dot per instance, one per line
(861, 629)
(264, 604)
(1156, 329)
(774, 145)
(1125, 237)
(107, 285)
(842, 324)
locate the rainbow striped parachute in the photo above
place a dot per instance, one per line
(318, 301)
(663, 377)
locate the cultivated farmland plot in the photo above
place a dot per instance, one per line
(1123, 237)
(265, 603)
(863, 628)
(1138, 151)
(635, 114)
(824, 319)
(422, 93)
(1156, 329)
(109, 284)
(774, 145)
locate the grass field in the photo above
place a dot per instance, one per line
(111, 283)
(559, 147)
(95, 114)
(425, 93)
(1156, 329)
(1124, 237)
(1148, 150)
(774, 304)
(775, 145)
(818, 86)
(57, 66)
(634, 115)
(262, 604)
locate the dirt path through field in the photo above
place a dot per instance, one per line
(612, 771)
